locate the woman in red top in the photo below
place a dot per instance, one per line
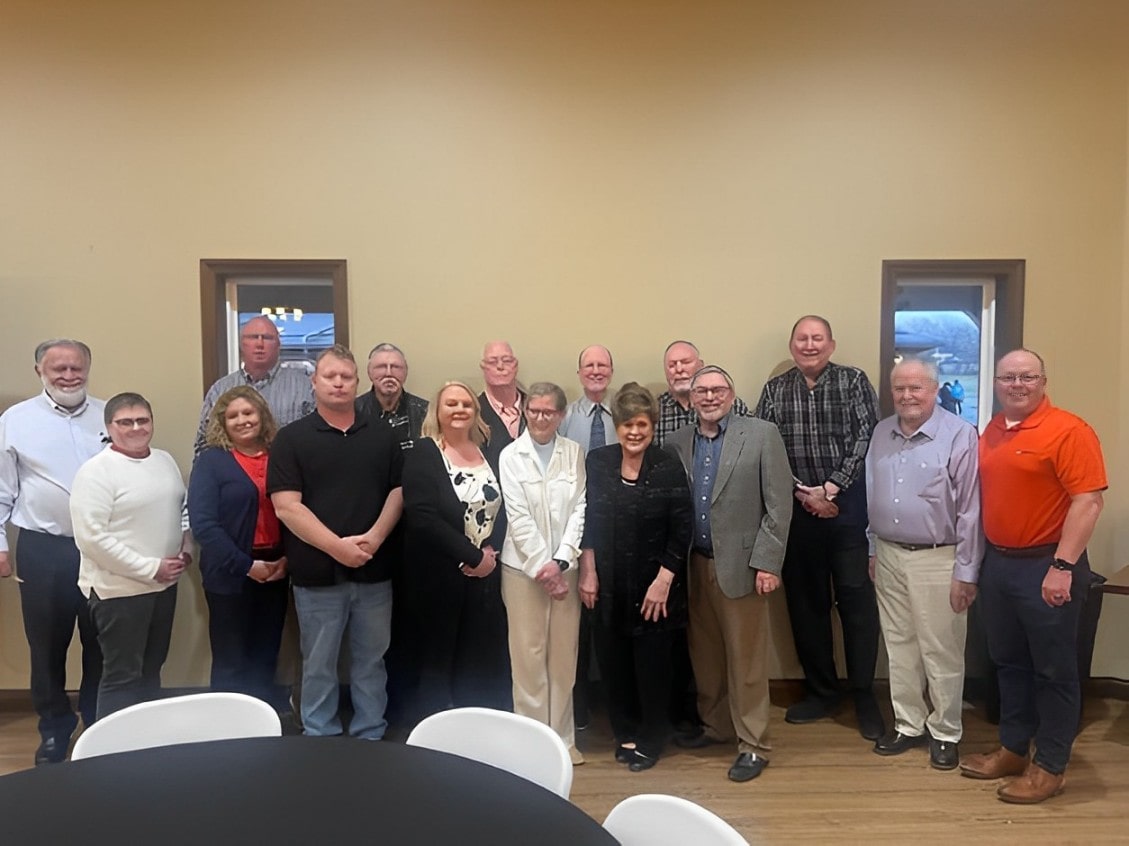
(241, 561)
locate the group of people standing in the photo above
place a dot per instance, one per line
(473, 539)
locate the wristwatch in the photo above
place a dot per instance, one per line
(561, 563)
(1059, 564)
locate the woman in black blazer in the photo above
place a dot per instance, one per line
(632, 571)
(452, 505)
(241, 561)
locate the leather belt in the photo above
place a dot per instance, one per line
(917, 547)
(1025, 551)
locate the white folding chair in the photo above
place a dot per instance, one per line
(178, 719)
(652, 819)
(519, 745)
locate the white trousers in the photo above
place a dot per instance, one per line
(543, 636)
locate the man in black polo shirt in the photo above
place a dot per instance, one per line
(334, 479)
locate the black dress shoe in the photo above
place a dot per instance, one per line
(625, 754)
(747, 767)
(642, 762)
(52, 750)
(943, 755)
(895, 743)
(871, 724)
(810, 709)
(694, 740)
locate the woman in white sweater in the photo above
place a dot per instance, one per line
(127, 504)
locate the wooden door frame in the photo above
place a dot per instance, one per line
(1008, 274)
(214, 276)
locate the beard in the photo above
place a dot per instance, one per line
(71, 398)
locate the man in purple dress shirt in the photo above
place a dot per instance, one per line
(923, 498)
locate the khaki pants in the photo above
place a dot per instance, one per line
(729, 654)
(924, 639)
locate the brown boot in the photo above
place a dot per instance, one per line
(1002, 762)
(1034, 786)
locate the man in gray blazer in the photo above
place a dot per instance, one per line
(742, 491)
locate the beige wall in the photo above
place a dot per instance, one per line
(560, 173)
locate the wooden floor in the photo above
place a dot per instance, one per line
(825, 785)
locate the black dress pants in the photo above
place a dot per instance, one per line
(245, 630)
(825, 567)
(637, 671)
(134, 632)
(52, 604)
(464, 644)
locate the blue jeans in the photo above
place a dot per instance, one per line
(1035, 649)
(325, 616)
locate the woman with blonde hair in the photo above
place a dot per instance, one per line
(452, 502)
(241, 560)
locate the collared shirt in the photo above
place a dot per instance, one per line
(510, 415)
(42, 445)
(924, 489)
(577, 423)
(406, 419)
(1030, 471)
(826, 429)
(673, 416)
(344, 478)
(287, 390)
(707, 459)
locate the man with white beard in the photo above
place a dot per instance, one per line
(43, 442)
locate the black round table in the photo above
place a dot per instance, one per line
(280, 790)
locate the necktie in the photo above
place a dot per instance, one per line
(596, 439)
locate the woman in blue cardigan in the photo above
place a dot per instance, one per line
(241, 561)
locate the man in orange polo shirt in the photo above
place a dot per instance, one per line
(1041, 483)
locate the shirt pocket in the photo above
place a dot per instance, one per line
(935, 484)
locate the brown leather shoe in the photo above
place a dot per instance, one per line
(1033, 787)
(1002, 762)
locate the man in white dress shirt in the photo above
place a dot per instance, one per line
(43, 442)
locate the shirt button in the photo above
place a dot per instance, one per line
(896, 520)
(899, 481)
(897, 500)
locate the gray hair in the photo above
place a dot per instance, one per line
(708, 369)
(41, 350)
(673, 344)
(929, 367)
(384, 346)
(547, 389)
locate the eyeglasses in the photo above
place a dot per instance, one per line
(504, 361)
(703, 391)
(1025, 378)
(133, 422)
(541, 413)
(261, 336)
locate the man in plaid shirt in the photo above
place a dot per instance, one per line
(826, 412)
(680, 362)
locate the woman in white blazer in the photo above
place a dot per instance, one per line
(543, 483)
